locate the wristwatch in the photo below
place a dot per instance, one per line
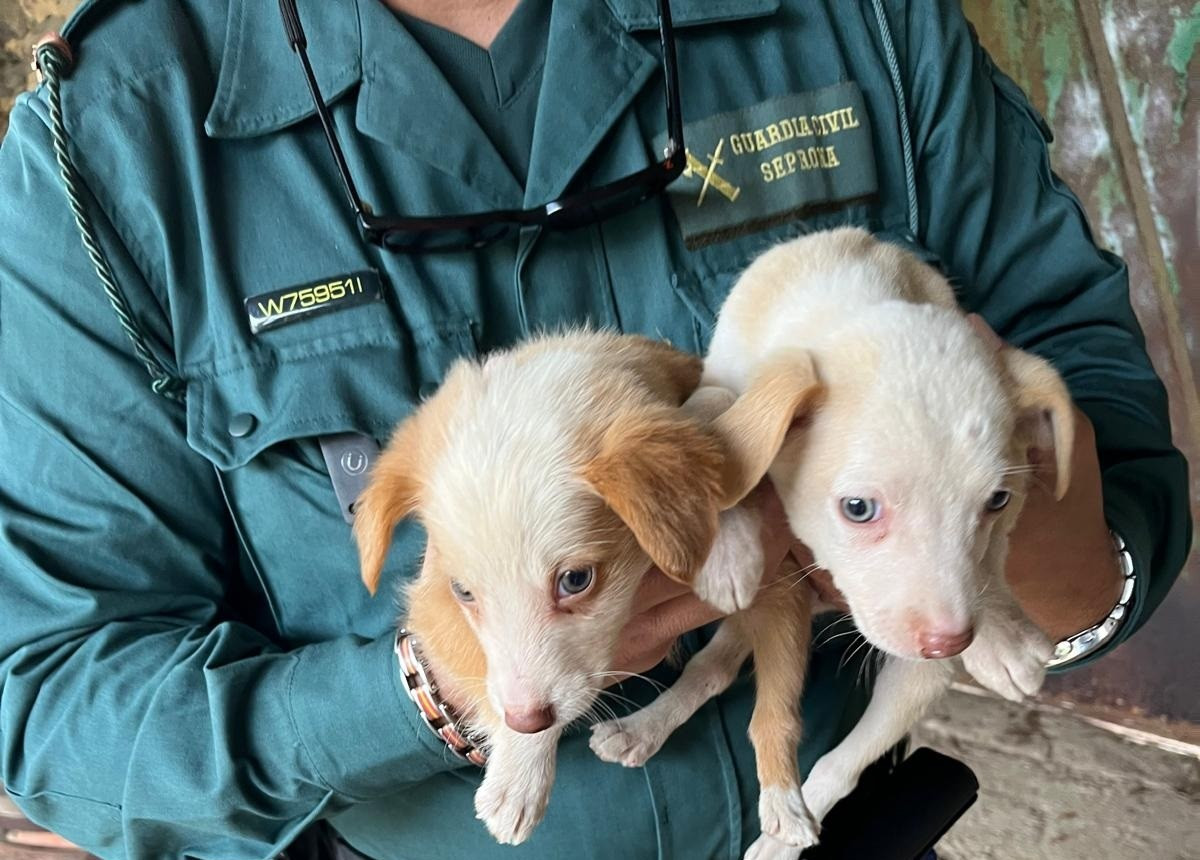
(1086, 642)
(437, 714)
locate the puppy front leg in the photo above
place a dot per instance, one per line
(733, 571)
(781, 630)
(904, 689)
(1009, 652)
(516, 784)
(632, 740)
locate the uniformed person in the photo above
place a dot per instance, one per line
(190, 665)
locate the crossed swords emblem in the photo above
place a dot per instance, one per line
(696, 167)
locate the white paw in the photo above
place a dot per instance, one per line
(629, 742)
(511, 803)
(733, 571)
(1009, 653)
(783, 815)
(825, 786)
(769, 848)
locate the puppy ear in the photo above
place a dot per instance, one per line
(391, 495)
(752, 430)
(661, 474)
(671, 373)
(1040, 393)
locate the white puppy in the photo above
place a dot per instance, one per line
(904, 482)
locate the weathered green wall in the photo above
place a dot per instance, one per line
(1118, 80)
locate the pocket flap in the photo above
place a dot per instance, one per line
(363, 385)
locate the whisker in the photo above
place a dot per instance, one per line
(849, 652)
(829, 639)
(871, 666)
(831, 626)
(806, 570)
(600, 710)
(1020, 469)
(809, 571)
(853, 653)
(657, 685)
(624, 700)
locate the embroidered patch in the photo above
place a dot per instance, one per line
(765, 164)
(291, 304)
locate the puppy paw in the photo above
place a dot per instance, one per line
(783, 816)
(629, 742)
(1008, 655)
(825, 786)
(731, 575)
(769, 848)
(511, 803)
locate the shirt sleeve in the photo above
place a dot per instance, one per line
(1016, 243)
(139, 716)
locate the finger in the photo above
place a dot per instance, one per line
(801, 554)
(679, 615)
(657, 588)
(822, 582)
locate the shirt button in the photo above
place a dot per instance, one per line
(242, 424)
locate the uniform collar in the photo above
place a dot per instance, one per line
(260, 88)
(643, 14)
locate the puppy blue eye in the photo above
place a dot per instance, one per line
(998, 500)
(858, 510)
(461, 593)
(575, 581)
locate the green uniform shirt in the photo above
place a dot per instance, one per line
(190, 665)
(499, 85)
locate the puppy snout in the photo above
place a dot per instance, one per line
(529, 719)
(939, 643)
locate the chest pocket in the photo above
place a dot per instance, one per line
(259, 422)
(704, 276)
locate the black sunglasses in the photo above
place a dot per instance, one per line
(425, 233)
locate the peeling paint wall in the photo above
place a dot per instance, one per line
(1118, 81)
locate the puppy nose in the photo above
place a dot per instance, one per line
(936, 644)
(530, 720)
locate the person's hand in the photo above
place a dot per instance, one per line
(669, 609)
(821, 582)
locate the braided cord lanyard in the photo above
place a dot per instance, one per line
(53, 61)
(910, 173)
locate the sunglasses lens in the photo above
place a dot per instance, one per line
(416, 241)
(600, 204)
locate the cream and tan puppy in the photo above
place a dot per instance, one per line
(904, 482)
(548, 478)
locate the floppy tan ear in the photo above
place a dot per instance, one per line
(1040, 392)
(671, 373)
(391, 495)
(661, 474)
(753, 428)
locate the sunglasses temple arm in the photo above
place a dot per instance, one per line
(667, 38)
(299, 44)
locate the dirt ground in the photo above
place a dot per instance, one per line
(1056, 786)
